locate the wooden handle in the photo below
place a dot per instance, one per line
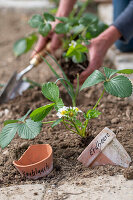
(37, 58)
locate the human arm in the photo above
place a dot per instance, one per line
(124, 22)
(97, 50)
(65, 7)
(122, 29)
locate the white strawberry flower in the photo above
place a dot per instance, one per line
(73, 43)
(77, 109)
(62, 111)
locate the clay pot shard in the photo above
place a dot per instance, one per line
(105, 149)
(36, 162)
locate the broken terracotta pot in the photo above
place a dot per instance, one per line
(36, 162)
(105, 149)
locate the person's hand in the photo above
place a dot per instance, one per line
(97, 50)
(53, 38)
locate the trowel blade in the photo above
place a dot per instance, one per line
(13, 88)
(19, 89)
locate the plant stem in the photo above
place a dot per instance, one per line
(99, 99)
(68, 123)
(32, 82)
(77, 89)
(76, 127)
(49, 122)
(57, 75)
(70, 87)
(73, 102)
(68, 127)
(86, 122)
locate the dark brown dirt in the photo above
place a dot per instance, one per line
(72, 69)
(116, 114)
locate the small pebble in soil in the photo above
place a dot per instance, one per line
(115, 121)
(35, 193)
(6, 153)
(6, 111)
(102, 106)
(53, 186)
(15, 146)
(24, 145)
(121, 128)
(111, 173)
(49, 191)
(16, 176)
(81, 183)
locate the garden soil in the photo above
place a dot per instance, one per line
(116, 114)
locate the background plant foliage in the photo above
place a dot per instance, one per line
(79, 27)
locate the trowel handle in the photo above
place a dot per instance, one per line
(38, 57)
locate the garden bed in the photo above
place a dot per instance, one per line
(66, 146)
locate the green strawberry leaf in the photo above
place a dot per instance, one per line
(40, 113)
(109, 72)
(78, 56)
(35, 21)
(63, 19)
(73, 21)
(31, 39)
(51, 91)
(20, 47)
(78, 29)
(10, 122)
(100, 27)
(87, 19)
(88, 36)
(7, 134)
(76, 51)
(125, 71)
(62, 28)
(95, 78)
(119, 86)
(81, 48)
(23, 45)
(29, 129)
(49, 17)
(92, 113)
(44, 29)
(59, 104)
(81, 58)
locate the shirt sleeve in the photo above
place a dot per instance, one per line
(124, 23)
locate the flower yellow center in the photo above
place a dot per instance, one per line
(71, 114)
(63, 112)
(77, 109)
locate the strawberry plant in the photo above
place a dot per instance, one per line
(73, 118)
(77, 28)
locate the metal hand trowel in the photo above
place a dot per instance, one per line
(16, 85)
